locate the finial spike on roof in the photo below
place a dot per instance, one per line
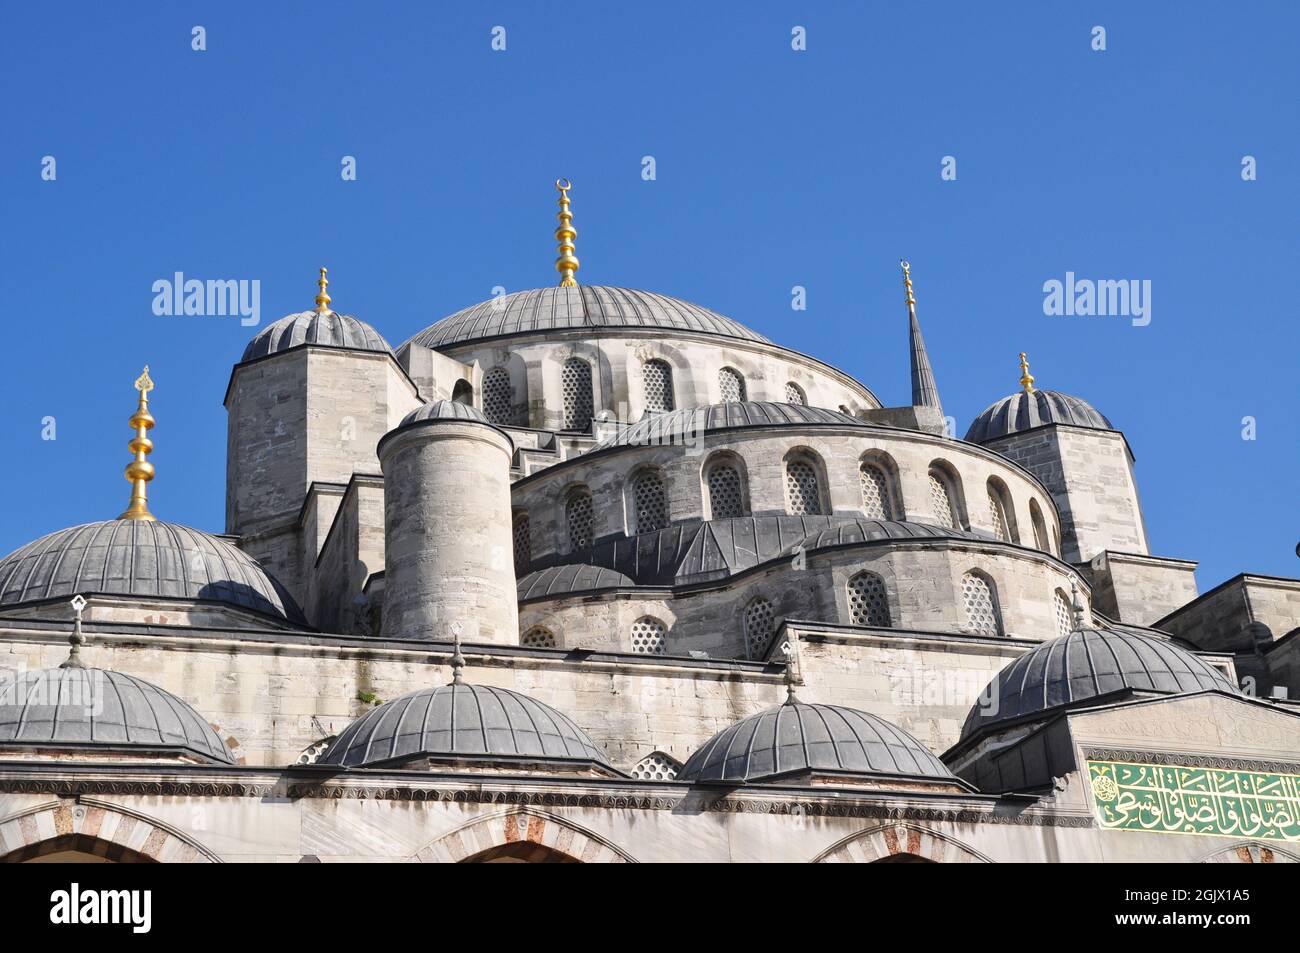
(140, 471)
(1080, 621)
(787, 649)
(76, 640)
(322, 296)
(1026, 378)
(457, 657)
(925, 392)
(566, 235)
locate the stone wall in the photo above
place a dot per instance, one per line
(1140, 589)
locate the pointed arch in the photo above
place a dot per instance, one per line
(94, 827)
(899, 842)
(1250, 852)
(518, 828)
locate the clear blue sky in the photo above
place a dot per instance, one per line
(775, 168)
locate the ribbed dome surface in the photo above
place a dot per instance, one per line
(1088, 663)
(141, 558)
(1023, 411)
(559, 580)
(330, 329)
(662, 428)
(444, 410)
(473, 721)
(869, 531)
(94, 708)
(798, 737)
(586, 306)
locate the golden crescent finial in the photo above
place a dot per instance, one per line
(140, 471)
(907, 284)
(1026, 378)
(566, 235)
(322, 296)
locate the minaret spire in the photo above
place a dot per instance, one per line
(566, 235)
(140, 471)
(925, 393)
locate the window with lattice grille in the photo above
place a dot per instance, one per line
(760, 627)
(538, 637)
(656, 767)
(651, 503)
(498, 401)
(649, 636)
(657, 377)
(575, 388)
(876, 503)
(578, 512)
(941, 502)
(732, 385)
(868, 603)
(794, 394)
(980, 605)
(998, 516)
(803, 495)
(726, 496)
(1064, 614)
(523, 542)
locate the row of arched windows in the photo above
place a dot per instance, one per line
(868, 601)
(649, 636)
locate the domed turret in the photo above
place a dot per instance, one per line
(322, 327)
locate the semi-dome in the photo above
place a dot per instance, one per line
(1085, 664)
(95, 709)
(473, 722)
(656, 429)
(146, 558)
(581, 306)
(795, 738)
(444, 410)
(562, 580)
(1024, 411)
(327, 329)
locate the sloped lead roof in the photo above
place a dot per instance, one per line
(664, 428)
(94, 708)
(584, 306)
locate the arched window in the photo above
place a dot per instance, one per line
(462, 393)
(575, 388)
(868, 603)
(649, 636)
(726, 490)
(794, 394)
(1040, 527)
(732, 385)
(650, 502)
(578, 514)
(658, 379)
(523, 543)
(498, 401)
(877, 501)
(803, 495)
(656, 767)
(760, 626)
(538, 637)
(998, 514)
(981, 604)
(1064, 613)
(941, 502)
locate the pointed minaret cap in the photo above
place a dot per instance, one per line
(925, 393)
(566, 235)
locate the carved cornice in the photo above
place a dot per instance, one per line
(1189, 760)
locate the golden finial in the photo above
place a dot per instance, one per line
(907, 283)
(567, 263)
(322, 296)
(1026, 378)
(140, 471)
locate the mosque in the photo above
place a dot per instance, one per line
(594, 574)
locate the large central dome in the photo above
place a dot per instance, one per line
(584, 306)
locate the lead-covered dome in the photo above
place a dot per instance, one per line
(657, 429)
(146, 558)
(583, 306)
(470, 722)
(445, 410)
(99, 710)
(326, 329)
(1024, 411)
(794, 738)
(1086, 664)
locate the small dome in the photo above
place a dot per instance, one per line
(461, 721)
(657, 429)
(1023, 411)
(560, 580)
(96, 709)
(1086, 664)
(795, 737)
(445, 410)
(147, 558)
(328, 329)
(584, 306)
